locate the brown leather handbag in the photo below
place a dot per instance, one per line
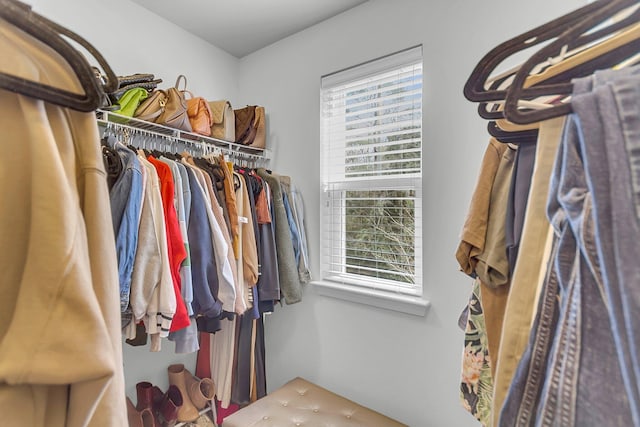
(245, 131)
(261, 129)
(250, 126)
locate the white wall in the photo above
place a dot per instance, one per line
(405, 366)
(401, 365)
(134, 40)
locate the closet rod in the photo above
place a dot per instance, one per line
(118, 121)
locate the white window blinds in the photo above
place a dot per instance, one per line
(371, 136)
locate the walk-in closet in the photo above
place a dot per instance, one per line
(308, 213)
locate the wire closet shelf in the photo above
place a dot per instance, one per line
(167, 136)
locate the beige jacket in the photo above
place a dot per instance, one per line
(60, 348)
(249, 244)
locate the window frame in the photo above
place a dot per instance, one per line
(360, 288)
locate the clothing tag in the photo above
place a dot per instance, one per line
(243, 219)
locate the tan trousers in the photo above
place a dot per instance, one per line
(531, 265)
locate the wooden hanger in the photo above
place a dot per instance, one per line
(606, 54)
(50, 33)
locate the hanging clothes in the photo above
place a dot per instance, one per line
(186, 288)
(203, 262)
(287, 268)
(269, 280)
(297, 208)
(230, 201)
(250, 269)
(61, 354)
(126, 245)
(126, 200)
(476, 385)
(175, 245)
(483, 246)
(152, 295)
(228, 276)
(529, 271)
(566, 353)
(186, 339)
(518, 195)
(588, 326)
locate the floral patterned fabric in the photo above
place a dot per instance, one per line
(476, 385)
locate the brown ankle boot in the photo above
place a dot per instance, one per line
(201, 391)
(144, 391)
(137, 418)
(188, 412)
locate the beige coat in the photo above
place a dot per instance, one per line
(60, 348)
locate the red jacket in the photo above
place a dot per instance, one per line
(175, 244)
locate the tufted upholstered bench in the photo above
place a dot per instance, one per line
(300, 403)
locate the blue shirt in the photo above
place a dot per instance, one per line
(126, 203)
(295, 236)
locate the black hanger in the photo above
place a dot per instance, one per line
(529, 136)
(518, 137)
(608, 59)
(112, 164)
(50, 33)
(173, 156)
(156, 153)
(486, 112)
(474, 89)
(490, 111)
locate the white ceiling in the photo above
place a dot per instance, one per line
(241, 27)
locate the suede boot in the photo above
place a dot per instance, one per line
(167, 405)
(188, 412)
(137, 418)
(201, 391)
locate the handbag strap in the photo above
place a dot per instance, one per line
(185, 92)
(181, 76)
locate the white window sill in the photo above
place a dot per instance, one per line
(409, 304)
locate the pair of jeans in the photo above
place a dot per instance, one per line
(580, 367)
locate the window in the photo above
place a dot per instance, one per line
(371, 165)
